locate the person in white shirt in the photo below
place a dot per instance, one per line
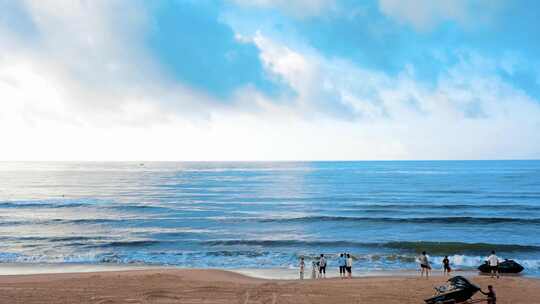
(322, 266)
(424, 264)
(349, 265)
(493, 262)
(314, 270)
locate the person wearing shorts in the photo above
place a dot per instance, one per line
(348, 265)
(302, 268)
(446, 265)
(424, 264)
(493, 262)
(322, 266)
(342, 262)
(314, 269)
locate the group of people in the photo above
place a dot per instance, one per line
(318, 267)
(345, 261)
(425, 266)
(492, 260)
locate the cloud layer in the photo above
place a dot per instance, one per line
(114, 80)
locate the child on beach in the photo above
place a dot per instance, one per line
(491, 297)
(302, 266)
(349, 265)
(493, 261)
(446, 265)
(314, 269)
(342, 262)
(424, 264)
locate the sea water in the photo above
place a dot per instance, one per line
(268, 214)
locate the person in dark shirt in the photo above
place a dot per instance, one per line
(491, 297)
(446, 265)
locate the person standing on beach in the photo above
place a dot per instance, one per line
(424, 264)
(314, 270)
(493, 262)
(446, 265)
(302, 266)
(348, 265)
(342, 264)
(322, 266)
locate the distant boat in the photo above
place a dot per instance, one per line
(508, 266)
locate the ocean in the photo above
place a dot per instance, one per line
(268, 214)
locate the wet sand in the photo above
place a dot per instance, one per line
(217, 286)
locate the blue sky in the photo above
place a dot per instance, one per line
(270, 79)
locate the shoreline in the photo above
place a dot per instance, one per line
(20, 269)
(166, 285)
(60, 268)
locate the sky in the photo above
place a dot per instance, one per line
(203, 80)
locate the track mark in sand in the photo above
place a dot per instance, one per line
(161, 297)
(247, 297)
(103, 300)
(258, 300)
(274, 298)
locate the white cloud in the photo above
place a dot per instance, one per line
(424, 14)
(76, 92)
(297, 8)
(467, 113)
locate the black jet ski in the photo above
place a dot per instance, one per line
(457, 289)
(508, 266)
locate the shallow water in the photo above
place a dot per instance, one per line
(266, 215)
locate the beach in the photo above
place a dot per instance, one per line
(125, 233)
(218, 286)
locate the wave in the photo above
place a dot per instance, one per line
(57, 239)
(385, 207)
(463, 220)
(41, 204)
(86, 221)
(61, 221)
(457, 247)
(283, 243)
(135, 243)
(451, 191)
(142, 208)
(254, 259)
(412, 220)
(432, 247)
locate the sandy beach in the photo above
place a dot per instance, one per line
(217, 286)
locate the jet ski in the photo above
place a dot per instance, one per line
(507, 266)
(457, 289)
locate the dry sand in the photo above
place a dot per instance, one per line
(216, 286)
